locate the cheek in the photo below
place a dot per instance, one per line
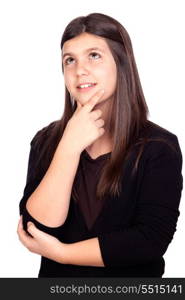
(108, 70)
(112, 78)
(68, 79)
(109, 78)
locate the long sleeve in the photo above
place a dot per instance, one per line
(32, 181)
(156, 211)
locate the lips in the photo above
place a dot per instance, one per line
(86, 89)
(92, 83)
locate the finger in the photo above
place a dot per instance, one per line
(78, 104)
(33, 230)
(94, 100)
(100, 123)
(96, 114)
(101, 130)
(26, 240)
(20, 229)
(20, 225)
(23, 236)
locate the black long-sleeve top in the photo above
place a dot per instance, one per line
(133, 229)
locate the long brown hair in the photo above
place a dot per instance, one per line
(129, 110)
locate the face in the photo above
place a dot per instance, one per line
(88, 59)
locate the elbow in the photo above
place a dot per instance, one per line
(54, 231)
(47, 218)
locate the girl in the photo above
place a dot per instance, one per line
(104, 183)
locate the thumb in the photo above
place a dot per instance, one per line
(78, 104)
(31, 228)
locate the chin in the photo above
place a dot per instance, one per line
(83, 101)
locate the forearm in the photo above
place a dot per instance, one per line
(49, 203)
(83, 253)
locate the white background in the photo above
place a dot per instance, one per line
(32, 95)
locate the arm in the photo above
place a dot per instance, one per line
(156, 212)
(49, 203)
(80, 253)
(84, 253)
(154, 223)
(47, 199)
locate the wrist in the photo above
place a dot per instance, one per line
(66, 147)
(64, 253)
(59, 253)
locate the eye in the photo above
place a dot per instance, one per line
(69, 59)
(95, 54)
(66, 61)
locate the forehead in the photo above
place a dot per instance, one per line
(84, 41)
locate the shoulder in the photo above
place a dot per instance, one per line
(161, 141)
(156, 130)
(42, 134)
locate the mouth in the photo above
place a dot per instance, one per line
(86, 87)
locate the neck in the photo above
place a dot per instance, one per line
(100, 146)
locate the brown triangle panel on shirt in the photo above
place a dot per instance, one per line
(88, 175)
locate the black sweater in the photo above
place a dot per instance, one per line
(134, 229)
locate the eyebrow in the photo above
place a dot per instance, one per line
(87, 50)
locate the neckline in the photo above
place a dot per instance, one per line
(100, 157)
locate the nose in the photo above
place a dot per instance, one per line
(81, 68)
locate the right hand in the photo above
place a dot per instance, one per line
(85, 126)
